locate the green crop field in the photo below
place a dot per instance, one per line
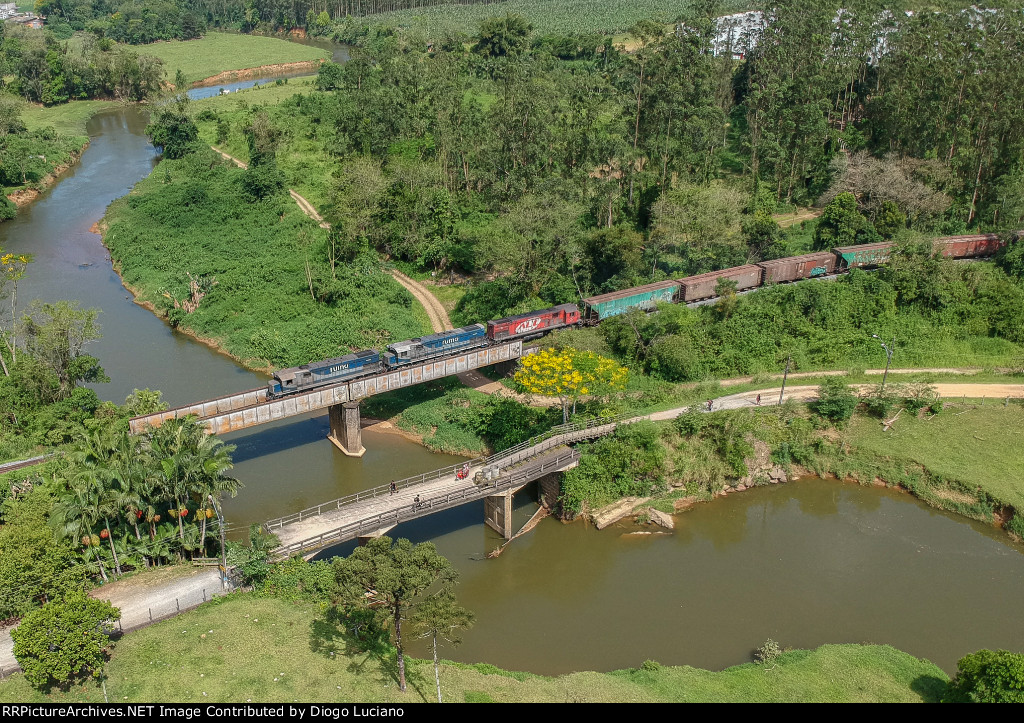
(547, 16)
(242, 648)
(217, 52)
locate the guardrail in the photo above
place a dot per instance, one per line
(561, 434)
(428, 506)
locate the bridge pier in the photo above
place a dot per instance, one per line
(346, 433)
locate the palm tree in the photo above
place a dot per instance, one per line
(192, 464)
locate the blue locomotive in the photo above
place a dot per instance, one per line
(428, 347)
(326, 371)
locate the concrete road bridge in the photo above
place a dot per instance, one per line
(251, 408)
(494, 479)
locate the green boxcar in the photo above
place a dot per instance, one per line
(853, 257)
(639, 297)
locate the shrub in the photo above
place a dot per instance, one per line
(7, 209)
(880, 403)
(64, 640)
(1016, 525)
(768, 652)
(988, 677)
(836, 400)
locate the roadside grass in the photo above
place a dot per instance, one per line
(979, 445)
(244, 648)
(217, 52)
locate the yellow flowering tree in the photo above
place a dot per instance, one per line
(569, 374)
(12, 269)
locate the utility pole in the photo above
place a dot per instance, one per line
(889, 349)
(223, 543)
(784, 376)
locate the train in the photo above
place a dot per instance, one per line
(535, 324)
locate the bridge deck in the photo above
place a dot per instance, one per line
(368, 516)
(248, 409)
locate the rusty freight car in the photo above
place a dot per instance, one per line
(969, 247)
(702, 286)
(797, 268)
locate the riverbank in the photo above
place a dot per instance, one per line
(964, 459)
(24, 196)
(245, 648)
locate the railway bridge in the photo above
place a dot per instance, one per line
(254, 407)
(494, 479)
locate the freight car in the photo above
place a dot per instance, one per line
(968, 247)
(428, 347)
(326, 371)
(639, 297)
(702, 286)
(596, 308)
(533, 324)
(797, 268)
(857, 257)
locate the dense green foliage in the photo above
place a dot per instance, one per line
(941, 313)
(836, 400)
(251, 273)
(558, 168)
(65, 639)
(49, 70)
(988, 677)
(34, 567)
(629, 462)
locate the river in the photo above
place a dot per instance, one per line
(804, 563)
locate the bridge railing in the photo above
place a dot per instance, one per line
(561, 434)
(427, 506)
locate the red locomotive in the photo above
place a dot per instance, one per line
(533, 324)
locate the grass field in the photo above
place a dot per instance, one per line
(216, 52)
(979, 445)
(68, 118)
(243, 648)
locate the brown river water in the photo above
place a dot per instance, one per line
(805, 563)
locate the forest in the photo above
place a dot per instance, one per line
(534, 170)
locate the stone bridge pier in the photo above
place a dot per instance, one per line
(346, 434)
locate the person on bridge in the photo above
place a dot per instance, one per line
(394, 487)
(416, 502)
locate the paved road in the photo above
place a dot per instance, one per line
(142, 596)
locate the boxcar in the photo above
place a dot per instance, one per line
(854, 257)
(702, 286)
(968, 247)
(427, 347)
(639, 297)
(313, 374)
(533, 323)
(796, 268)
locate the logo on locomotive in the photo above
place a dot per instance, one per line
(528, 325)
